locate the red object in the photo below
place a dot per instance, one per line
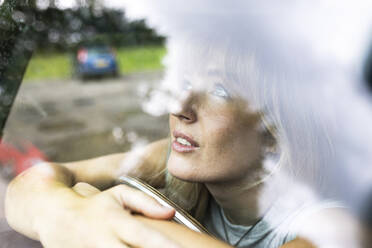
(82, 55)
(20, 160)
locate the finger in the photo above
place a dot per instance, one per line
(85, 189)
(139, 202)
(138, 234)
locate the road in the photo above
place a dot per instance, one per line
(74, 120)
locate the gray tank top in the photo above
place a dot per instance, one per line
(263, 234)
(272, 231)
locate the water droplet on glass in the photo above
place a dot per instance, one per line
(132, 137)
(53, 36)
(39, 26)
(118, 134)
(42, 4)
(19, 16)
(7, 100)
(75, 24)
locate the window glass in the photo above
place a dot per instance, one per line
(264, 109)
(73, 105)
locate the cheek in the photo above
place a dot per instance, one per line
(231, 143)
(220, 136)
(171, 122)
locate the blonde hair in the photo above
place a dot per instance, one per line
(273, 85)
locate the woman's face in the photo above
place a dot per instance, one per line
(215, 138)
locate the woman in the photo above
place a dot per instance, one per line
(237, 148)
(243, 126)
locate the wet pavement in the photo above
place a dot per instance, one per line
(73, 120)
(3, 185)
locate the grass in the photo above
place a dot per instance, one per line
(140, 59)
(59, 66)
(48, 66)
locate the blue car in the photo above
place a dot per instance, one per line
(92, 61)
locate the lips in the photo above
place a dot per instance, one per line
(183, 143)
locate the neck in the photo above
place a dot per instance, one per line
(239, 203)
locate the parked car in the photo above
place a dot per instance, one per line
(94, 61)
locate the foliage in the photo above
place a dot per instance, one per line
(56, 29)
(66, 29)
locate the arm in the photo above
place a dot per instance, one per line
(147, 164)
(171, 231)
(43, 195)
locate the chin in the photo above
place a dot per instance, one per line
(183, 170)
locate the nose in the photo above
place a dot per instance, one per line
(187, 109)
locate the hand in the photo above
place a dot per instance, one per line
(103, 219)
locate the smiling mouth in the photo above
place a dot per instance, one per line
(183, 143)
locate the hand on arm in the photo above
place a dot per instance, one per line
(46, 203)
(42, 199)
(170, 230)
(60, 216)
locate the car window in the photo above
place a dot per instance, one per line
(99, 50)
